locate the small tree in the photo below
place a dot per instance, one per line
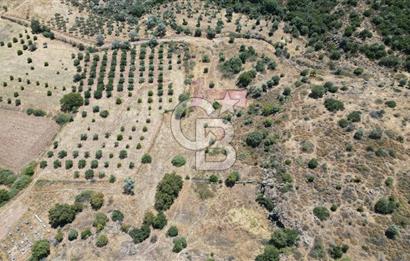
(40, 250)
(100, 40)
(71, 102)
(129, 186)
(179, 244)
(172, 231)
(178, 161)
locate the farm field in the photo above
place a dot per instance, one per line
(23, 138)
(204, 130)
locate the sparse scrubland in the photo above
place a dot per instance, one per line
(90, 168)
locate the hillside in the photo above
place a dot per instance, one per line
(205, 130)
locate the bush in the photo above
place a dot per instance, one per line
(392, 232)
(284, 237)
(71, 102)
(160, 221)
(102, 241)
(104, 114)
(128, 186)
(354, 116)
(231, 66)
(317, 92)
(97, 200)
(179, 244)
(4, 196)
(40, 250)
(246, 78)
(321, 213)
(63, 118)
(253, 139)
(167, 191)
(117, 215)
(7, 177)
(313, 163)
(138, 235)
(386, 206)
(178, 161)
(100, 220)
(61, 214)
(391, 104)
(333, 105)
(59, 236)
(72, 234)
(232, 179)
(336, 251)
(146, 159)
(86, 234)
(270, 253)
(172, 231)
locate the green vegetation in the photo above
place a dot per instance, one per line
(172, 231)
(178, 161)
(232, 179)
(71, 102)
(321, 213)
(40, 250)
(62, 214)
(102, 240)
(333, 105)
(179, 244)
(386, 206)
(167, 191)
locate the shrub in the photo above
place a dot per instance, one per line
(376, 134)
(354, 116)
(391, 104)
(4, 196)
(63, 118)
(358, 71)
(231, 66)
(59, 236)
(102, 241)
(167, 191)
(317, 91)
(7, 177)
(71, 102)
(160, 221)
(138, 235)
(336, 251)
(179, 244)
(117, 215)
(89, 174)
(270, 253)
(178, 161)
(386, 206)
(321, 213)
(172, 231)
(253, 139)
(232, 179)
(284, 237)
(86, 234)
(40, 250)
(246, 78)
(333, 105)
(213, 179)
(146, 159)
(313, 163)
(100, 220)
(392, 232)
(61, 214)
(97, 200)
(128, 186)
(72, 234)
(104, 114)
